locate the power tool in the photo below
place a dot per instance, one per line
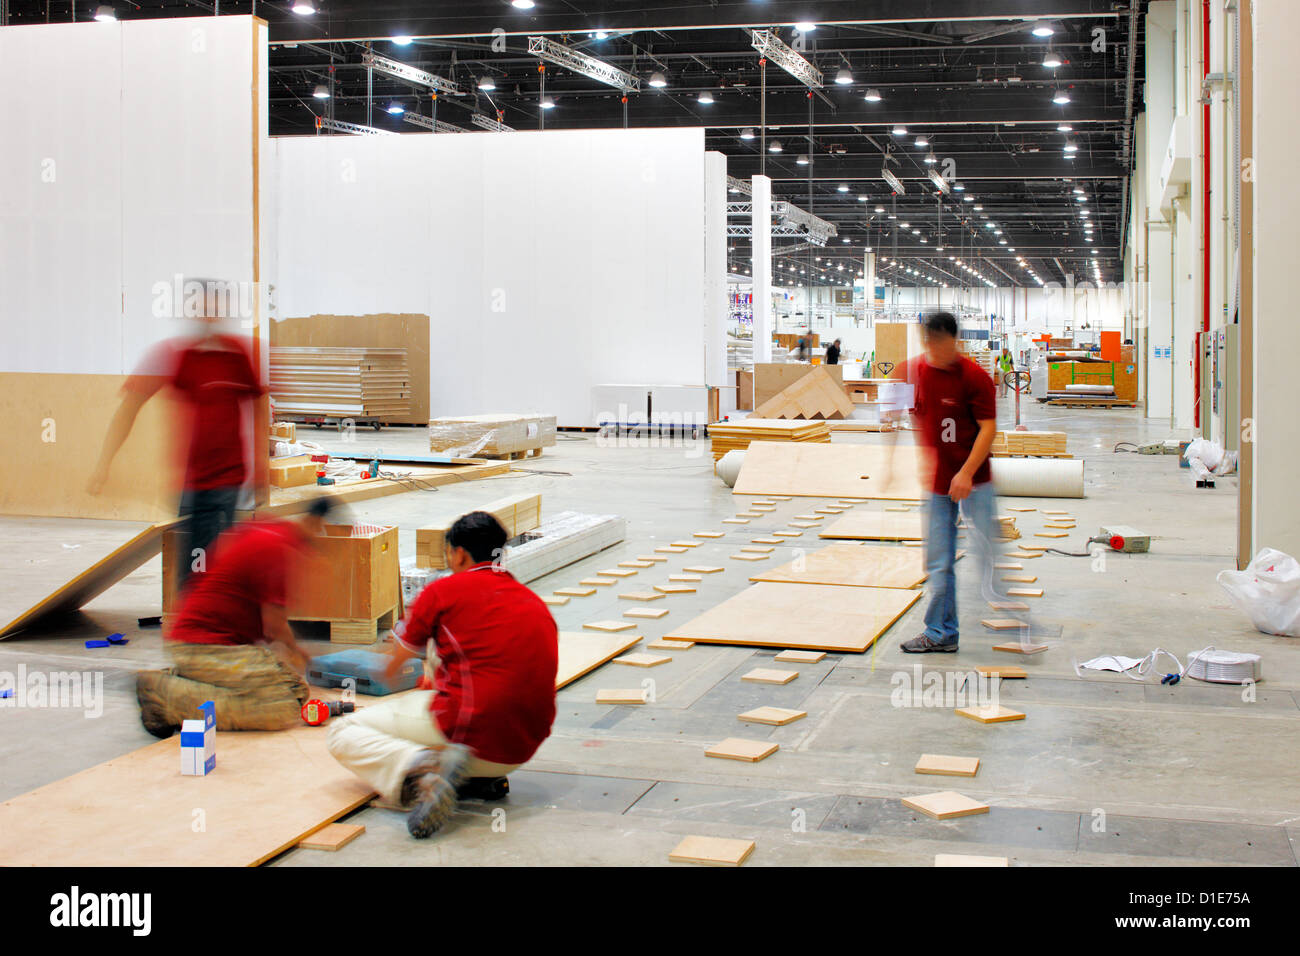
(315, 712)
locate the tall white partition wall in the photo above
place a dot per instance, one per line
(561, 271)
(136, 163)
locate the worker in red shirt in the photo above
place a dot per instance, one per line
(229, 640)
(955, 413)
(212, 375)
(492, 700)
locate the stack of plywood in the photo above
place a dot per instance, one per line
(1007, 530)
(490, 435)
(517, 514)
(341, 382)
(817, 395)
(731, 436)
(1047, 444)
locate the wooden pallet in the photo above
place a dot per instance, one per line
(514, 455)
(357, 632)
(1090, 403)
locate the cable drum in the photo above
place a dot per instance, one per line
(1038, 477)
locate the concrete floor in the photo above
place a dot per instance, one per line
(1104, 770)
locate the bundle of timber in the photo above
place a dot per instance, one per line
(1045, 444)
(517, 514)
(819, 394)
(730, 436)
(340, 382)
(486, 436)
(1007, 530)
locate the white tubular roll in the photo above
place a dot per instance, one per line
(1038, 477)
(728, 467)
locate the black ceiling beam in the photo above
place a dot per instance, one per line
(379, 20)
(834, 169)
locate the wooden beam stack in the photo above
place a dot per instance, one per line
(341, 382)
(1049, 444)
(517, 514)
(732, 436)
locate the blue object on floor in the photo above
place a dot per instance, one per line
(118, 639)
(97, 643)
(364, 667)
(6, 693)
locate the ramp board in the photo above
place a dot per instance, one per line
(876, 526)
(830, 471)
(268, 792)
(582, 652)
(815, 617)
(852, 565)
(36, 562)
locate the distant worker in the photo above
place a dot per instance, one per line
(492, 700)
(1006, 365)
(833, 353)
(956, 413)
(805, 344)
(231, 621)
(212, 375)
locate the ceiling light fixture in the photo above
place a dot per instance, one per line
(1061, 98)
(1051, 60)
(658, 81)
(873, 96)
(487, 84)
(844, 77)
(1042, 28)
(706, 98)
(747, 133)
(522, 4)
(106, 14)
(401, 41)
(321, 92)
(304, 8)
(396, 109)
(774, 146)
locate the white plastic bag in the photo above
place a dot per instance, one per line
(1268, 592)
(1210, 452)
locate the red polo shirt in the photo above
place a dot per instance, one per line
(950, 403)
(247, 569)
(212, 377)
(499, 652)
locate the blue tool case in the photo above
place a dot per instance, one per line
(366, 668)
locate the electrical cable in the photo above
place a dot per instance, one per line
(1132, 449)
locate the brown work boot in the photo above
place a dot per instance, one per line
(435, 800)
(153, 713)
(425, 762)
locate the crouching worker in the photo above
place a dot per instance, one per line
(227, 630)
(492, 700)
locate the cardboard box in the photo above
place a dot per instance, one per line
(292, 472)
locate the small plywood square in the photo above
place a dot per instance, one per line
(735, 521)
(829, 510)
(1008, 566)
(609, 626)
(617, 573)
(801, 617)
(333, 837)
(641, 596)
(1025, 592)
(757, 549)
(1002, 670)
(643, 660)
(1023, 555)
(1019, 647)
(1059, 514)
(1033, 547)
(646, 613)
(803, 524)
(811, 517)
(685, 578)
(789, 534)
(623, 695)
(1020, 578)
(703, 569)
(651, 558)
(1003, 624)
(1022, 509)
(996, 714)
(776, 716)
(709, 534)
(948, 766)
(1009, 605)
(670, 549)
(851, 565)
(946, 805)
(636, 564)
(818, 470)
(967, 859)
(767, 541)
(749, 557)
(598, 582)
(1059, 524)
(575, 592)
(769, 675)
(737, 748)
(665, 645)
(685, 544)
(1049, 534)
(712, 851)
(554, 601)
(800, 657)
(876, 526)
(663, 589)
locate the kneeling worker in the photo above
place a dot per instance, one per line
(228, 620)
(493, 697)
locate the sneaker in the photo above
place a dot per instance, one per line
(923, 645)
(152, 714)
(435, 799)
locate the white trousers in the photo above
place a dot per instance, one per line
(379, 742)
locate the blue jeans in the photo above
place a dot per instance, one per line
(208, 512)
(941, 555)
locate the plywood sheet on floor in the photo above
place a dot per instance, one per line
(269, 790)
(830, 471)
(583, 651)
(800, 616)
(66, 563)
(875, 526)
(852, 565)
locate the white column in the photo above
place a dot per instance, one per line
(715, 272)
(761, 267)
(1276, 426)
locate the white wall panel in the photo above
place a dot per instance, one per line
(548, 262)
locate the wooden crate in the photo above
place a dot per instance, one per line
(352, 579)
(292, 472)
(517, 514)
